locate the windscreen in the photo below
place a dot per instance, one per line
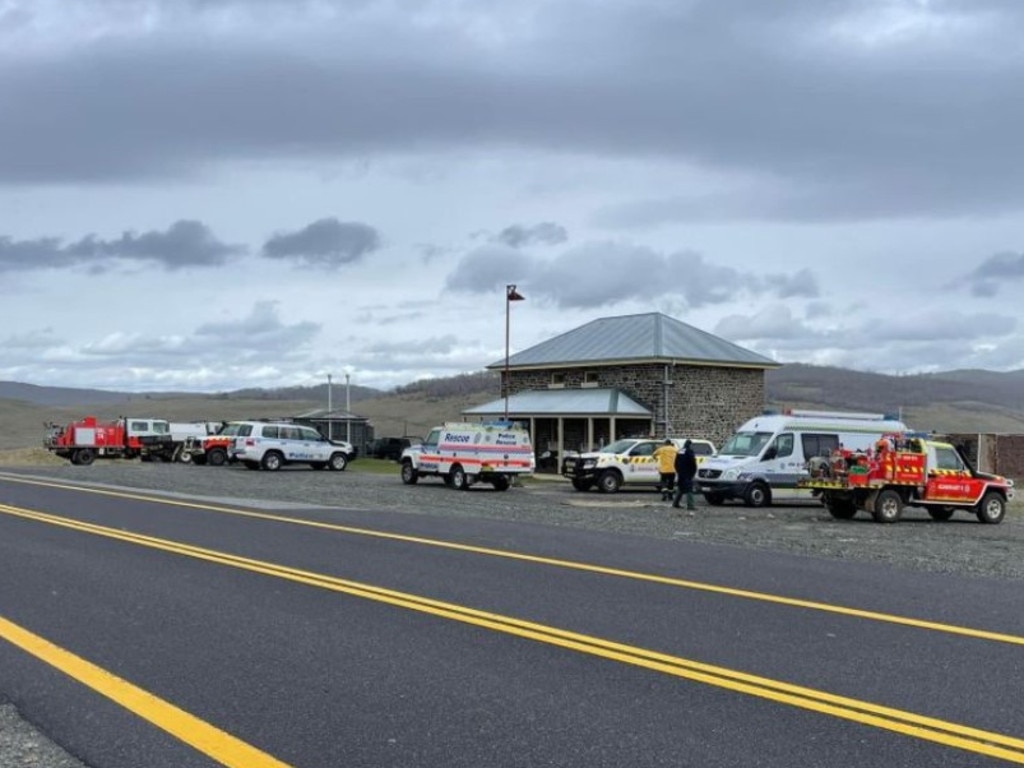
(619, 446)
(745, 444)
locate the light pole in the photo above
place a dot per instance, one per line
(511, 294)
(330, 420)
(348, 409)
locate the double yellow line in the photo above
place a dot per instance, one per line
(949, 734)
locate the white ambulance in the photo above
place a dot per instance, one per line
(465, 453)
(766, 458)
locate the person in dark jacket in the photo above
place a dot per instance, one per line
(686, 470)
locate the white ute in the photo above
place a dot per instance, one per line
(463, 454)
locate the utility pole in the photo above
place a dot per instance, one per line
(348, 409)
(330, 419)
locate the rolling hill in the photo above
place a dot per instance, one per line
(953, 401)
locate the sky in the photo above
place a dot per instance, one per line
(206, 195)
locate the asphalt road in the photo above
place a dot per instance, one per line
(348, 637)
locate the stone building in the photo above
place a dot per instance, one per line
(635, 375)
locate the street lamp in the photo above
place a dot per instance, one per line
(511, 294)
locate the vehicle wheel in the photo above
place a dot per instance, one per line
(941, 514)
(409, 473)
(447, 480)
(758, 495)
(85, 456)
(185, 457)
(888, 507)
(458, 478)
(338, 462)
(609, 482)
(715, 499)
(216, 457)
(272, 461)
(501, 483)
(992, 509)
(841, 509)
(251, 464)
(582, 485)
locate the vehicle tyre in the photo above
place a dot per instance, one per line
(217, 456)
(715, 499)
(501, 483)
(888, 507)
(582, 485)
(251, 464)
(941, 514)
(272, 461)
(992, 509)
(757, 495)
(409, 473)
(447, 480)
(609, 482)
(85, 456)
(459, 481)
(185, 457)
(338, 462)
(841, 509)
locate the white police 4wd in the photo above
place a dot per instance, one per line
(466, 453)
(628, 461)
(271, 445)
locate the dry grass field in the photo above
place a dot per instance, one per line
(22, 425)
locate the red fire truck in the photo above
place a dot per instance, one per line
(907, 469)
(81, 442)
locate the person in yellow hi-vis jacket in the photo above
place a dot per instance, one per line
(665, 455)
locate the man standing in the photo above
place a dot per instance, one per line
(686, 470)
(665, 455)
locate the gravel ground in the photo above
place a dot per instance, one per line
(961, 546)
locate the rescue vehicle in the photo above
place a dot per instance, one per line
(463, 454)
(907, 469)
(629, 461)
(81, 442)
(767, 456)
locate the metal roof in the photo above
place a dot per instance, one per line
(651, 336)
(564, 402)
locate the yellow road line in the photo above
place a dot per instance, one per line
(200, 735)
(764, 597)
(931, 729)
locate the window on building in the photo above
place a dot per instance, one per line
(591, 379)
(557, 379)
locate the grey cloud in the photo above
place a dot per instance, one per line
(545, 233)
(605, 273)
(183, 244)
(260, 332)
(922, 128)
(327, 243)
(987, 278)
(801, 284)
(489, 268)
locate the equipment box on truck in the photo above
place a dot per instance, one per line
(766, 458)
(463, 454)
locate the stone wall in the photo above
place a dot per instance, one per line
(1001, 454)
(702, 401)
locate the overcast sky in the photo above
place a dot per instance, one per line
(212, 194)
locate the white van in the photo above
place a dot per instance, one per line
(766, 457)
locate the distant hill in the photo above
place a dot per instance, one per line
(953, 401)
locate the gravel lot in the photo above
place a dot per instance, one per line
(962, 545)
